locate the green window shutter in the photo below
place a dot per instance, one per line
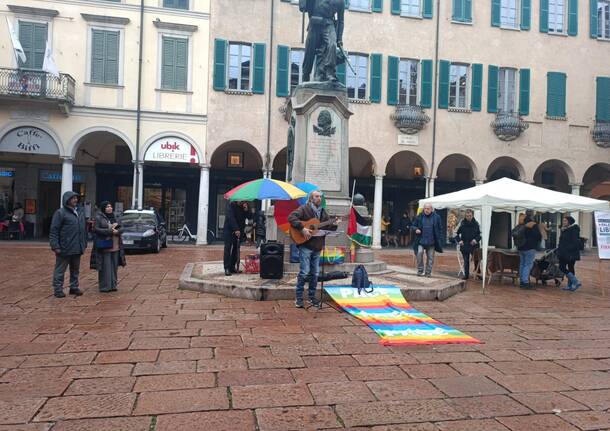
(26, 38)
(426, 84)
(392, 90)
(572, 17)
(492, 88)
(524, 92)
(181, 64)
(220, 64)
(495, 13)
(395, 8)
(111, 66)
(341, 73)
(428, 7)
(556, 94)
(375, 93)
(457, 13)
(467, 11)
(443, 84)
(40, 45)
(377, 6)
(602, 99)
(97, 56)
(282, 87)
(593, 18)
(258, 80)
(544, 16)
(526, 14)
(167, 62)
(477, 87)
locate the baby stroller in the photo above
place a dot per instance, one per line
(547, 268)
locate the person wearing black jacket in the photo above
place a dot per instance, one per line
(527, 251)
(468, 237)
(568, 251)
(235, 223)
(260, 228)
(68, 240)
(404, 230)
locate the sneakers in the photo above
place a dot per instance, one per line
(59, 294)
(420, 274)
(298, 303)
(313, 302)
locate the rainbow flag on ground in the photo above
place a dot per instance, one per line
(389, 314)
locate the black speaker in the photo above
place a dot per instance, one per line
(272, 260)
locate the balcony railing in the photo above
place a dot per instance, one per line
(37, 85)
(601, 133)
(508, 126)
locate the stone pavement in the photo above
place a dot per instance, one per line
(150, 357)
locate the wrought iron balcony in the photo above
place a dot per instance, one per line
(508, 126)
(601, 133)
(409, 119)
(37, 85)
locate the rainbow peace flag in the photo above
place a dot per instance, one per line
(388, 313)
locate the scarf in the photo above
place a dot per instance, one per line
(111, 218)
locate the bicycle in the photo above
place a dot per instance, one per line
(184, 234)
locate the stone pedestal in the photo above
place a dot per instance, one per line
(320, 115)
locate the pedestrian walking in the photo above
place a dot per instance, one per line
(68, 240)
(428, 231)
(235, 223)
(568, 251)
(527, 240)
(107, 248)
(469, 238)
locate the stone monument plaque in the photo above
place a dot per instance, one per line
(323, 160)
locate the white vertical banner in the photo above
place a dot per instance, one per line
(17, 48)
(49, 63)
(602, 229)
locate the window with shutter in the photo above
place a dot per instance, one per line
(105, 51)
(425, 100)
(174, 63)
(492, 88)
(602, 100)
(476, 87)
(524, 92)
(33, 38)
(296, 67)
(462, 11)
(509, 17)
(357, 82)
(219, 80)
(282, 88)
(443, 84)
(410, 8)
(507, 89)
(407, 82)
(360, 5)
(375, 93)
(556, 95)
(258, 75)
(602, 19)
(176, 4)
(239, 70)
(458, 85)
(526, 14)
(392, 84)
(556, 16)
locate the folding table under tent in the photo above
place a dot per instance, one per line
(506, 195)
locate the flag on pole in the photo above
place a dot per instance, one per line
(359, 229)
(17, 48)
(48, 64)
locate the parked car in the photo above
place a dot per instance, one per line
(143, 230)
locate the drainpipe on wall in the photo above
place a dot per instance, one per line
(138, 165)
(267, 162)
(435, 93)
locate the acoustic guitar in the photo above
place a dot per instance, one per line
(313, 225)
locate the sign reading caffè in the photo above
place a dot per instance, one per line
(171, 149)
(29, 140)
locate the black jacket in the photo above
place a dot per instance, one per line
(437, 228)
(468, 231)
(532, 236)
(235, 218)
(68, 232)
(260, 221)
(569, 243)
(404, 225)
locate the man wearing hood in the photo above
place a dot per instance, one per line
(68, 240)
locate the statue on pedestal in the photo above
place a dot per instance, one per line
(324, 38)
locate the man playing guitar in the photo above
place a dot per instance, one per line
(309, 251)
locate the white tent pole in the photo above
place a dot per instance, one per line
(486, 227)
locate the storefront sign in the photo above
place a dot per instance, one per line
(55, 177)
(29, 140)
(602, 223)
(7, 173)
(171, 149)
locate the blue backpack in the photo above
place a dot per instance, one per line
(360, 280)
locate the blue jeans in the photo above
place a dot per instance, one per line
(309, 264)
(526, 261)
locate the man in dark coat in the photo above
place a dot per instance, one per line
(428, 238)
(235, 223)
(260, 228)
(527, 251)
(309, 251)
(404, 230)
(468, 237)
(68, 240)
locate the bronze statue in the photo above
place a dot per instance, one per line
(324, 37)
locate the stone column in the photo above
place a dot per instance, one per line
(430, 187)
(479, 181)
(66, 177)
(266, 202)
(204, 202)
(576, 191)
(138, 194)
(377, 207)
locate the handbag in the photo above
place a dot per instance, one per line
(103, 244)
(252, 264)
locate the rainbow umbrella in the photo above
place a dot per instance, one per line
(264, 188)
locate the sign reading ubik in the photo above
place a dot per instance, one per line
(171, 149)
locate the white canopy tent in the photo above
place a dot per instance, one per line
(506, 195)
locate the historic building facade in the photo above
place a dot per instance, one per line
(122, 118)
(445, 94)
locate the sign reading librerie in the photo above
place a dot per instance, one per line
(29, 140)
(602, 224)
(171, 149)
